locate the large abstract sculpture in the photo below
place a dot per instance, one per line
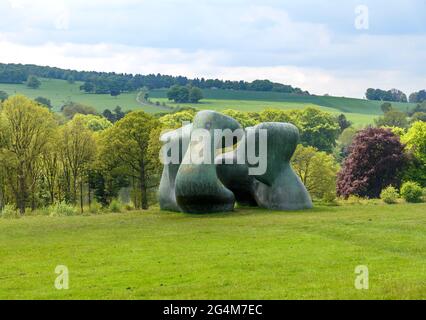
(235, 176)
(280, 188)
(198, 190)
(201, 181)
(175, 142)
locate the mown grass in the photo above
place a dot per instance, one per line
(248, 254)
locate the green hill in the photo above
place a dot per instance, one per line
(61, 92)
(359, 111)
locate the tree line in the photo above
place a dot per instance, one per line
(81, 158)
(395, 95)
(47, 158)
(116, 83)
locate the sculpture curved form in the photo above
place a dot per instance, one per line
(198, 189)
(175, 140)
(280, 188)
(236, 176)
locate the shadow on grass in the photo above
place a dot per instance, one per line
(247, 211)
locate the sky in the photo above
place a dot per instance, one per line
(324, 46)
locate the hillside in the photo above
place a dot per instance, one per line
(359, 111)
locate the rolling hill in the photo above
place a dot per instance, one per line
(361, 112)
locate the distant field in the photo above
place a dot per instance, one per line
(60, 92)
(246, 105)
(361, 112)
(346, 105)
(247, 254)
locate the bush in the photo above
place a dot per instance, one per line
(353, 199)
(95, 208)
(45, 211)
(412, 192)
(9, 212)
(129, 206)
(389, 195)
(62, 209)
(115, 206)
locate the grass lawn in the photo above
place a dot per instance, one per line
(249, 254)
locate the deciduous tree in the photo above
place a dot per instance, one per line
(375, 161)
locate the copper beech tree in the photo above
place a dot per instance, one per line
(375, 161)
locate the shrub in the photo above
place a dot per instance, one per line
(9, 212)
(129, 206)
(45, 211)
(62, 209)
(411, 192)
(95, 208)
(389, 195)
(115, 206)
(353, 199)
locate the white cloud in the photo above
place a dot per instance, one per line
(201, 63)
(309, 44)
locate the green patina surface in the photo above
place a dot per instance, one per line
(200, 187)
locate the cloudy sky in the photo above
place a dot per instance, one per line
(324, 46)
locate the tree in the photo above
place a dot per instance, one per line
(344, 142)
(115, 92)
(418, 116)
(392, 118)
(70, 79)
(43, 102)
(421, 107)
(3, 96)
(126, 145)
(93, 122)
(418, 97)
(195, 95)
(386, 107)
(246, 119)
(343, 122)
(275, 115)
(375, 161)
(50, 164)
(72, 108)
(415, 141)
(176, 120)
(33, 82)
(317, 170)
(115, 115)
(318, 129)
(382, 95)
(88, 87)
(178, 94)
(78, 150)
(25, 130)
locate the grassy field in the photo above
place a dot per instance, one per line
(249, 254)
(361, 112)
(60, 92)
